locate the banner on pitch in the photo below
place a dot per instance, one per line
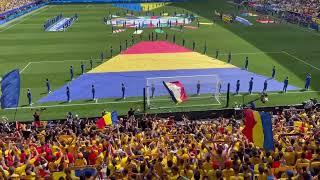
(10, 90)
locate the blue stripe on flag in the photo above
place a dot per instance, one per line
(267, 130)
(114, 117)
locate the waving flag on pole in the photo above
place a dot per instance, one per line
(176, 90)
(258, 129)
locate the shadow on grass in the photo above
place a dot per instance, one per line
(282, 37)
(64, 102)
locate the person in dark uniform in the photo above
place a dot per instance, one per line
(308, 82)
(237, 86)
(205, 48)
(29, 96)
(71, 72)
(111, 51)
(265, 86)
(229, 57)
(246, 64)
(91, 63)
(250, 85)
(273, 72)
(285, 85)
(183, 42)
(217, 54)
(193, 45)
(101, 56)
(68, 94)
(93, 91)
(198, 88)
(82, 68)
(48, 86)
(123, 89)
(153, 89)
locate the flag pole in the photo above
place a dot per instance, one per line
(144, 100)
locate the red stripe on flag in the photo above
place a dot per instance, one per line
(249, 124)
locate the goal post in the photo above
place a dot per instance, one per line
(202, 90)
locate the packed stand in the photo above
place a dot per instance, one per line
(158, 148)
(6, 5)
(304, 7)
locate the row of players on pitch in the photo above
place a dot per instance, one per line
(198, 86)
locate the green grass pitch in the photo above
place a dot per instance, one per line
(39, 55)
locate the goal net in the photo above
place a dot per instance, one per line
(202, 90)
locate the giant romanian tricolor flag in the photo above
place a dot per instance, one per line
(176, 90)
(108, 119)
(258, 129)
(154, 59)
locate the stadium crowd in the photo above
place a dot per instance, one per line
(305, 7)
(158, 148)
(6, 5)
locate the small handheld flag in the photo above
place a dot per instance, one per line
(176, 90)
(107, 119)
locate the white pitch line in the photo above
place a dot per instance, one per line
(271, 52)
(38, 62)
(199, 105)
(25, 17)
(79, 104)
(280, 93)
(301, 60)
(25, 67)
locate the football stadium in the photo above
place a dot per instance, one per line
(159, 89)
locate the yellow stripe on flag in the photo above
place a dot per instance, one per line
(160, 61)
(257, 132)
(107, 118)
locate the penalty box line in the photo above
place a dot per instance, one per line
(223, 54)
(298, 59)
(62, 61)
